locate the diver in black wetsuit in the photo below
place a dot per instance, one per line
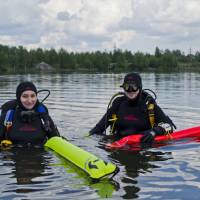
(25, 120)
(135, 111)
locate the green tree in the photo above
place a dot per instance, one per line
(158, 52)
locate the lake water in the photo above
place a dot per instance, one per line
(76, 103)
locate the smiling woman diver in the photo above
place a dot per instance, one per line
(26, 120)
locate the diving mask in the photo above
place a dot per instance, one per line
(130, 87)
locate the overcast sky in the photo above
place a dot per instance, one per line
(90, 25)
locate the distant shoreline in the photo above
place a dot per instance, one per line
(21, 60)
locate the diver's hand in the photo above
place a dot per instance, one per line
(148, 136)
(5, 143)
(165, 128)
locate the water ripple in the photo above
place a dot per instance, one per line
(76, 103)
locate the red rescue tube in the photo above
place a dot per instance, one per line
(177, 135)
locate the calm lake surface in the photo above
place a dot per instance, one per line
(76, 103)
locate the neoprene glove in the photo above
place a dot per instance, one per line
(162, 128)
(148, 136)
(165, 127)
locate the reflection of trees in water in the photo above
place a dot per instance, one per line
(135, 162)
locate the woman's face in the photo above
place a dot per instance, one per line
(28, 99)
(132, 95)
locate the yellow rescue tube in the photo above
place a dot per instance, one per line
(95, 167)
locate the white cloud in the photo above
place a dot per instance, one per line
(119, 39)
(101, 24)
(163, 17)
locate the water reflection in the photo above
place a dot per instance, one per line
(135, 163)
(29, 163)
(76, 103)
(104, 188)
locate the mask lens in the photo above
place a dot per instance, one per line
(130, 87)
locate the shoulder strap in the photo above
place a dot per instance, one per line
(113, 118)
(44, 117)
(151, 113)
(41, 109)
(150, 103)
(9, 119)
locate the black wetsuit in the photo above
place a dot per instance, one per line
(32, 128)
(132, 116)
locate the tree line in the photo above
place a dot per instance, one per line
(20, 59)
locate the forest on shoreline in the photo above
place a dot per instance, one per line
(19, 59)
